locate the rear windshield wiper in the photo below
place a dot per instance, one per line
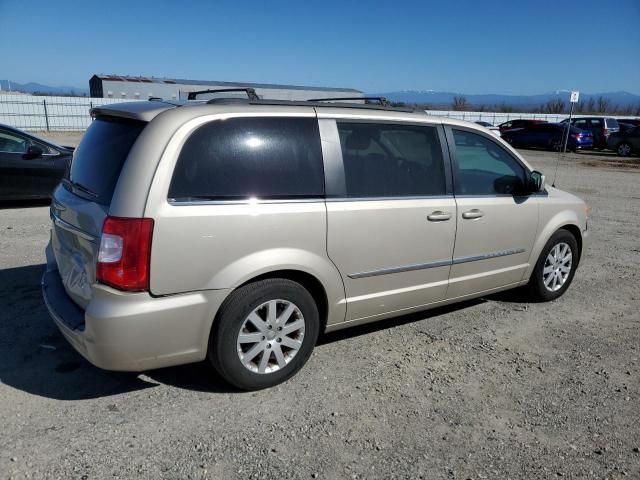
(82, 188)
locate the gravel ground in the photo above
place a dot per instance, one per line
(493, 388)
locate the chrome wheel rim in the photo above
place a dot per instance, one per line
(624, 150)
(557, 267)
(270, 336)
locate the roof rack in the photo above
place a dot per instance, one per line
(251, 93)
(382, 101)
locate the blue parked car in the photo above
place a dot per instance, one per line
(549, 136)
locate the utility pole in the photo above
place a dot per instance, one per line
(574, 99)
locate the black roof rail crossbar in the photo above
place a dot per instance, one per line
(251, 93)
(381, 100)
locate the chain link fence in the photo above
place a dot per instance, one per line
(54, 114)
(30, 112)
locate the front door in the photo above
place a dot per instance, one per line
(390, 214)
(496, 225)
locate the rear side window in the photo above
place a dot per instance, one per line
(391, 160)
(581, 123)
(595, 122)
(99, 158)
(612, 123)
(241, 158)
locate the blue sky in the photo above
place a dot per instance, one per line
(483, 46)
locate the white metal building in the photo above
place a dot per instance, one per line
(142, 88)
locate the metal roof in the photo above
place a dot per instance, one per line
(126, 78)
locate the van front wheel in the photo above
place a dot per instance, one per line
(264, 333)
(555, 268)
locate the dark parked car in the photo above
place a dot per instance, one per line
(624, 126)
(549, 136)
(522, 123)
(30, 167)
(633, 121)
(625, 143)
(600, 127)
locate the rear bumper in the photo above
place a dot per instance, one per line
(134, 331)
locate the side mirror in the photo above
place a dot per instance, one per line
(33, 152)
(537, 182)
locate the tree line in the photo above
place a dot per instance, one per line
(599, 105)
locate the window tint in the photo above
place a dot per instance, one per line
(612, 123)
(242, 158)
(582, 123)
(99, 158)
(595, 122)
(12, 143)
(485, 168)
(391, 160)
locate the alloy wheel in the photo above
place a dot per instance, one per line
(557, 267)
(270, 336)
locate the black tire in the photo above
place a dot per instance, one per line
(623, 149)
(536, 287)
(223, 347)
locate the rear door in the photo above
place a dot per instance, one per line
(496, 227)
(390, 213)
(81, 202)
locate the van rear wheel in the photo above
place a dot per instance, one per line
(264, 333)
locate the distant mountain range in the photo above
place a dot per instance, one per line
(33, 87)
(431, 97)
(425, 97)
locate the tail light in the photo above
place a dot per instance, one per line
(125, 252)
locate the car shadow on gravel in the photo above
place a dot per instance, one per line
(35, 358)
(394, 322)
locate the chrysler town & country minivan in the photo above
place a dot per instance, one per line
(239, 231)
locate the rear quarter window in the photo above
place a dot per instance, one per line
(241, 158)
(612, 123)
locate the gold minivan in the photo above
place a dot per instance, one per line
(237, 231)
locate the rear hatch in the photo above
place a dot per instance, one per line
(81, 202)
(583, 137)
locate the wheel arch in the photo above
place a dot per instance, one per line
(575, 231)
(565, 219)
(311, 283)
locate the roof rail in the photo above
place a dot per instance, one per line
(251, 93)
(383, 102)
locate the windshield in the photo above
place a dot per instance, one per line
(99, 158)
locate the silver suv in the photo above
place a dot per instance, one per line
(238, 231)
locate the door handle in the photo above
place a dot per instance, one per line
(438, 216)
(475, 213)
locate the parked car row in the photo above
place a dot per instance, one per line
(622, 136)
(550, 136)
